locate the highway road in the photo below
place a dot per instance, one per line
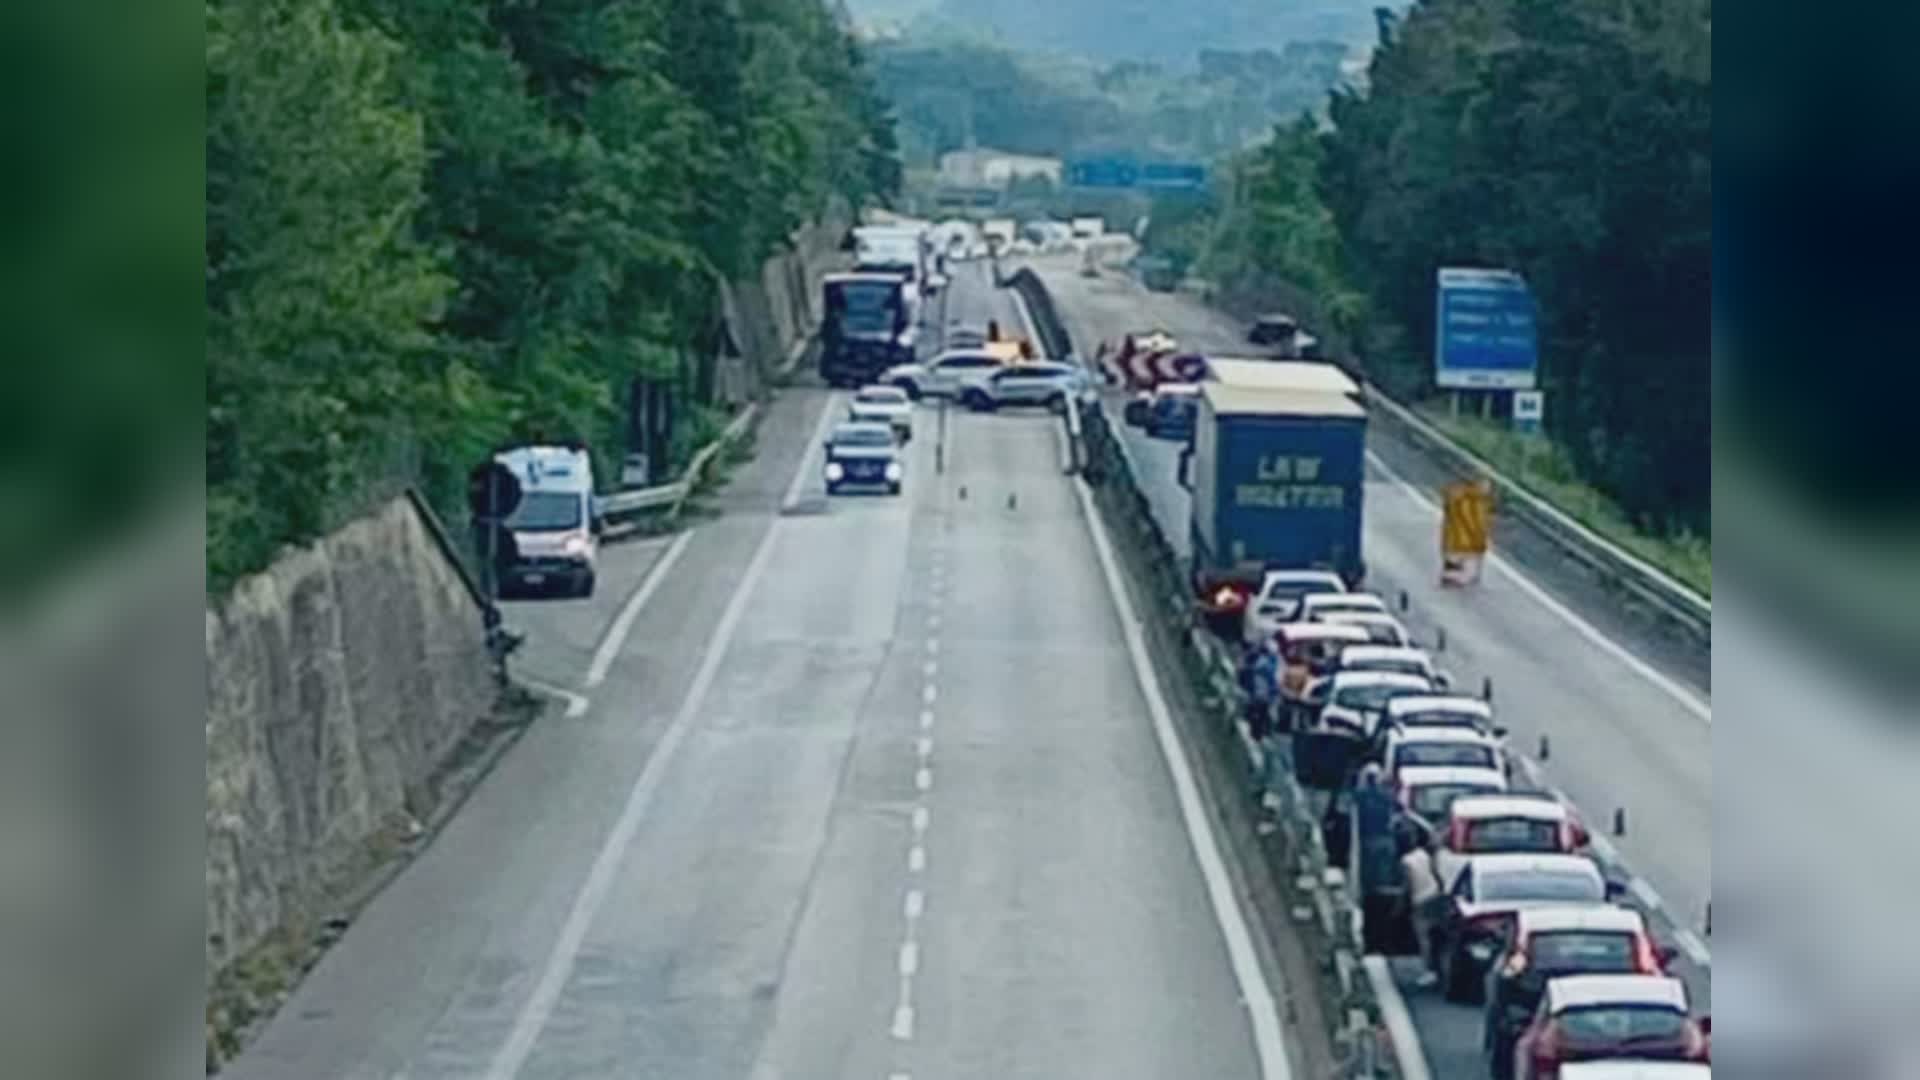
(860, 787)
(1627, 716)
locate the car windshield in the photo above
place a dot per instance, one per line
(1432, 801)
(866, 307)
(1512, 835)
(881, 395)
(1524, 885)
(1584, 952)
(1344, 603)
(1610, 1024)
(547, 511)
(1442, 718)
(862, 436)
(1371, 697)
(1444, 753)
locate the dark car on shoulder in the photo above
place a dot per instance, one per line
(863, 455)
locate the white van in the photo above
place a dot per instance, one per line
(556, 527)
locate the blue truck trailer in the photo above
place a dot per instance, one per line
(1277, 469)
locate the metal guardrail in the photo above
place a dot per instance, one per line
(669, 498)
(1680, 604)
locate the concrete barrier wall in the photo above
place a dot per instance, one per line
(338, 681)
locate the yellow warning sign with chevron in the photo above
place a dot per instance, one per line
(1466, 530)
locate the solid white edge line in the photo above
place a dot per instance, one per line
(1687, 698)
(1408, 1052)
(1695, 949)
(1644, 893)
(792, 497)
(538, 1008)
(1254, 991)
(577, 704)
(616, 635)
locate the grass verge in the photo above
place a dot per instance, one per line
(1546, 470)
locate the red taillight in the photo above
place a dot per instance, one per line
(1644, 959)
(1493, 925)
(1699, 1046)
(1546, 1053)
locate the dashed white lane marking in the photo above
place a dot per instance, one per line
(1268, 1042)
(923, 779)
(930, 668)
(920, 819)
(933, 646)
(903, 1022)
(910, 959)
(924, 746)
(538, 1008)
(916, 859)
(1687, 699)
(926, 718)
(930, 694)
(623, 623)
(916, 904)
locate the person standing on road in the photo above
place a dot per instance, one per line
(1262, 692)
(1423, 895)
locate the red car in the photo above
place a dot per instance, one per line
(1609, 1017)
(1559, 942)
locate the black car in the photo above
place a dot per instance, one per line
(863, 454)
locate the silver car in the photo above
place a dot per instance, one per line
(1046, 384)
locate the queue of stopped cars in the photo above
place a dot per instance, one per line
(883, 405)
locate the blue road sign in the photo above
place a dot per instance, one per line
(1484, 334)
(1126, 173)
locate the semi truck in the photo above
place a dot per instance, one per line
(866, 329)
(1276, 468)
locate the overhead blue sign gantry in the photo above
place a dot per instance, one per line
(1125, 173)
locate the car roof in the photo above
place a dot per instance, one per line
(1344, 679)
(852, 427)
(548, 468)
(1281, 376)
(1345, 597)
(1441, 733)
(1423, 775)
(1515, 862)
(1387, 652)
(1439, 703)
(1624, 1069)
(1511, 804)
(1575, 991)
(1364, 618)
(891, 393)
(1606, 917)
(1313, 631)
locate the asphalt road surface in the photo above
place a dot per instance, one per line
(1629, 722)
(868, 789)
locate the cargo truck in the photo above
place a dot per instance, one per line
(1276, 468)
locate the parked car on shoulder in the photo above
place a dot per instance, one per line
(1356, 701)
(1608, 1017)
(1441, 747)
(1514, 823)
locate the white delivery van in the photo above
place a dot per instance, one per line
(556, 527)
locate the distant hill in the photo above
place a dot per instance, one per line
(1163, 31)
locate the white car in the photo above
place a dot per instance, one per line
(1509, 824)
(942, 375)
(1278, 601)
(1427, 747)
(1443, 710)
(1430, 791)
(1317, 606)
(1381, 628)
(883, 405)
(1047, 384)
(1406, 661)
(1356, 701)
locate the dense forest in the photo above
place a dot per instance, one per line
(436, 224)
(1570, 141)
(1110, 31)
(949, 88)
